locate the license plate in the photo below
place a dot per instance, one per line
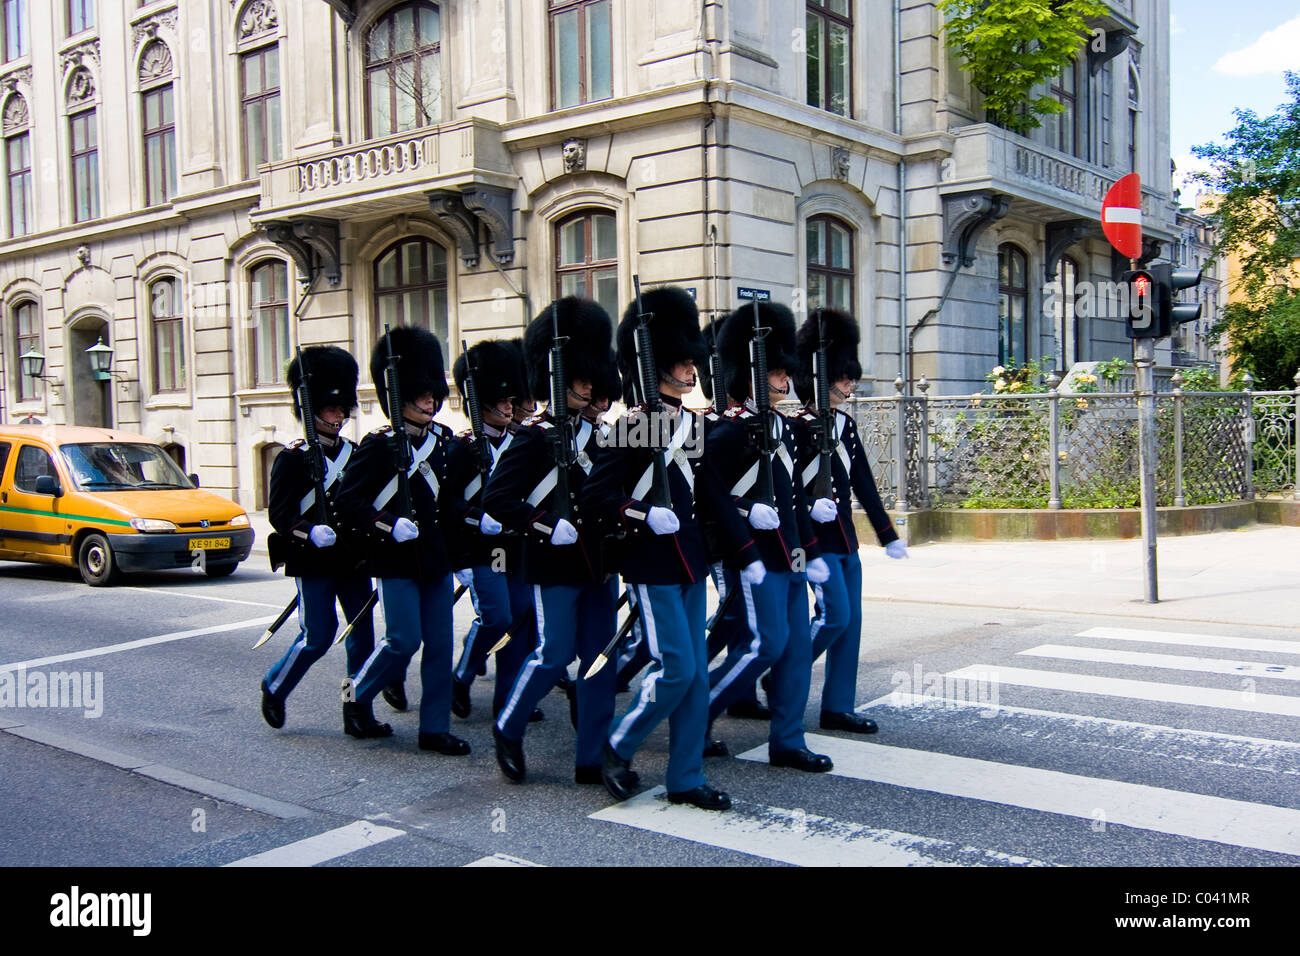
(209, 544)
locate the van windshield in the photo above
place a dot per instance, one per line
(119, 466)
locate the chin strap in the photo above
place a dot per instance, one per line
(676, 382)
(842, 395)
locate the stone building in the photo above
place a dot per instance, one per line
(204, 184)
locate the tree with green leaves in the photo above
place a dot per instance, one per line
(1256, 173)
(1009, 47)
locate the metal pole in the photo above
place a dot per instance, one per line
(1295, 438)
(1054, 441)
(900, 444)
(1247, 383)
(1180, 496)
(1144, 373)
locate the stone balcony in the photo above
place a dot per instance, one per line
(386, 176)
(1042, 183)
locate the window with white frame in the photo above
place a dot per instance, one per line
(403, 57)
(167, 334)
(581, 52)
(159, 123)
(270, 311)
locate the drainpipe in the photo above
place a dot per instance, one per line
(904, 341)
(710, 237)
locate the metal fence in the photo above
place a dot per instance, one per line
(1052, 450)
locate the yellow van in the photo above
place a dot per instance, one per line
(108, 501)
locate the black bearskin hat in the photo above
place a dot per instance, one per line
(498, 372)
(608, 383)
(675, 334)
(419, 365)
(525, 394)
(711, 331)
(841, 335)
(738, 330)
(589, 331)
(333, 378)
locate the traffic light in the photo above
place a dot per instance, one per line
(1169, 282)
(1152, 312)
(1142, 320)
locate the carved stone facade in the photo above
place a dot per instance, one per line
(706, 167)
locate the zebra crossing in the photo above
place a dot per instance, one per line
(948, 746)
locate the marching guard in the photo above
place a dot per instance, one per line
(753, 449)
(391, 492)
(488, 376)
(307, 536)
(837, 626)
(536, 490)
(664, 556)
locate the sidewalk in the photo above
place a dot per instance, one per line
(1247, 576)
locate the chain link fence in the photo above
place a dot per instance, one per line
(1053, 450)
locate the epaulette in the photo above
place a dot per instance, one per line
(296, 444)
(382, 430)
(808, 415)
(736, 411)
(466, 436)
(537, 418)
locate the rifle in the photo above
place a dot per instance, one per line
(315, 456)
(401, 447)
(659, 495)
(824, 427)
(719, 396)
(476, 414)
(764, 490)
(562, 437)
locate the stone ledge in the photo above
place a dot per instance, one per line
(1008, 524)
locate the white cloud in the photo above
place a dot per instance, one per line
(1275, 51)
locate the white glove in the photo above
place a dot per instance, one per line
(896, 549)
(488, 524)
(824, 510)
(754, 573)
(465, 576)
(764, 517)
(404, 529)
(818, 572)
(322, 535)
(564, 533)
(662, 521)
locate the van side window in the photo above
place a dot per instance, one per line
(4, 458)
(33, 462)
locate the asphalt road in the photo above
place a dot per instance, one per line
(1052, 744)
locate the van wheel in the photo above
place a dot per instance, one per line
(220, 570)
(96, 562)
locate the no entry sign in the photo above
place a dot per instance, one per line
(1121, 216)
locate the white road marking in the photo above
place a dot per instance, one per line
(1243, 700)
(1193, 640)
(501, 859)
(324, 846)
(1202, 665)
(196, 597)
(792, 836)
(142, 642)
(1051, 728)
(1233, 822)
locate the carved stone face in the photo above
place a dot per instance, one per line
(575, 155)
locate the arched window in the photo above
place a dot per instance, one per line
(586, 258)
(411, 286)
(270, 309)
(830, 263)
(18, 165)
(403, 69)
(27, 338)
(1013, 305)
(167, 330)
(259, 86)
(159, 123)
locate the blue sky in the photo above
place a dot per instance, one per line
(1226, 56)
